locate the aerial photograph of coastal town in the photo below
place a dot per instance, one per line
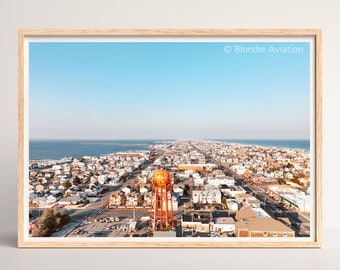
(170, 139)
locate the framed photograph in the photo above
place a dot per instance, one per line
(169, 138)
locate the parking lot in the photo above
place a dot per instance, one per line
(114, 223)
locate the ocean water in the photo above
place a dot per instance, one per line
(57, 149)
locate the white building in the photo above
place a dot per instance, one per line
(126, 190)
(233, 191)
(206, 194)
(198, 181)
(143, 189)
(102, 179)
(70, 200)
(174, 204)
(238, 169)
(292, 197)
(224, 225)
(228, 181)
(177, 190)
(247, 199)
(232, 205)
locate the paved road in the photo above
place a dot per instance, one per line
(97, 208)
(301, 222)
(269, 204)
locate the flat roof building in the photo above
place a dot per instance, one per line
(252, 222)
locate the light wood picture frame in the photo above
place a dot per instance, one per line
(277, 185)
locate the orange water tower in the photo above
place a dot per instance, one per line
(161, 210)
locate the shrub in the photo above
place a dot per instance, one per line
(51, 222)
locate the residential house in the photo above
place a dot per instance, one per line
(102, 179)
(198, 181)
(206, 194)
(39, 188)
(115, 199)
(178, 190)
(233, 206)
(126, 189)
(144, 189)
(219, 181)
(70, 200)
(132, 199)
(39, 201)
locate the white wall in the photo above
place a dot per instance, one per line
(16, 14)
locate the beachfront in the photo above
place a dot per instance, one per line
(207, 176)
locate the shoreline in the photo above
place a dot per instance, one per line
(241, 143)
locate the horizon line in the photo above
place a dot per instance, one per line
(172, 139)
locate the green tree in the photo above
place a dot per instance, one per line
(66, 185)
(224, 203)
(76, 180)
(49, 224)
(64, 220)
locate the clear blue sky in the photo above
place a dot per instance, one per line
(158, 90)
